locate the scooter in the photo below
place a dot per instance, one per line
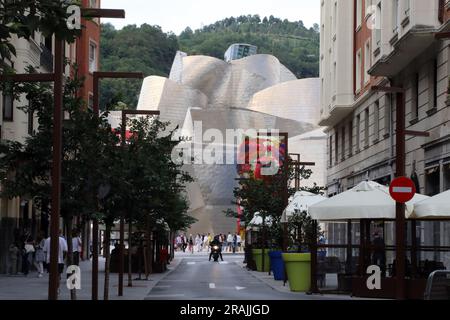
(215, 251)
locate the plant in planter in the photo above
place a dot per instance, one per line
(298, 264)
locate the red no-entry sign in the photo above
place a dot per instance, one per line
(402, 189)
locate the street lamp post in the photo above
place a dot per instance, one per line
(97, 76)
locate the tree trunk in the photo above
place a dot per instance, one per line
(130, 271)
(107, 261)
(69, 223)
(149, 248)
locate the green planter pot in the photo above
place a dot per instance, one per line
(298, 269)
(257, 256)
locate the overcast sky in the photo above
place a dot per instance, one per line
(176, 15)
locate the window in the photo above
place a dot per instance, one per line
(350, 138)
(415, 97)
(8, 107)
(378, 26)
(433, 84)
(387, 113)
(366, 128)
(358, 71)
(93, 3)
(335, 78)
(92, 57)
(395, 5)
(377, 120)
(343, 143)
(358, 132)
(367, 62)
(335, 19)
(359, 9)
(330, 153)
(336, 146)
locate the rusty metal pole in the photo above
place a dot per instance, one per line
(122, 219)
(56, 170)
(95, 259)
(313, 246)
(95, 252)
(400, 207)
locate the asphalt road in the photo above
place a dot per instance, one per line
(196, 278)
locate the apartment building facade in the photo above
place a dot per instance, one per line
(389, 43)
(366, 43)
(19, 216)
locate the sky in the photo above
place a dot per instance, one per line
(176, 15)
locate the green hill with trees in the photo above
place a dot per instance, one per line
(150, 50)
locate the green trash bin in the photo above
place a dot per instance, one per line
(298, 269)
(257, 256)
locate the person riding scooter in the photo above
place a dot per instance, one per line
(216, 248)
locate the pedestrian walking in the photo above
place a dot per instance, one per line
(13, 257)
(223, 240)
(39, 257)
(178, 243)
(234, 242)
(61, 252)
(206, 242)
(184, 242)
(198, 242)
(239, 240)
(230, 242)
(28, 256)
(191, 244)
(76, 248)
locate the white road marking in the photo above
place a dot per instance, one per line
(162, 286)
(402, 189)
(172, 280)
(212, 285)
(191, 263)
(239, 288)
(165, 295)
(223, 262)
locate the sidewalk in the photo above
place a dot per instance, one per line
(34, 288)
(278, 285)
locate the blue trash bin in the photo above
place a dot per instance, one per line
(277, 265)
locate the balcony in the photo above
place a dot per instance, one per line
(413, 40)
(46, 58)
(336, 114)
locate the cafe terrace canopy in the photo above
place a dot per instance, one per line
(368, 200)
(301, 201)
(436, 207)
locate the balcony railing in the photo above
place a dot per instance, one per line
(46, 59)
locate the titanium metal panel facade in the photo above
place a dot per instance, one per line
(256, 92)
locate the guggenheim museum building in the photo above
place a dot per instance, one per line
(243, 91)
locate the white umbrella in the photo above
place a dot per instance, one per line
(368, 200)
(436, 207)
(301, 201)
(258, 220)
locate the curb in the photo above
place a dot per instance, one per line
(169, 271)
(266, 282)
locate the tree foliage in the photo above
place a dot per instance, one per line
(133, 49)
(149, 50)
(291, 42)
